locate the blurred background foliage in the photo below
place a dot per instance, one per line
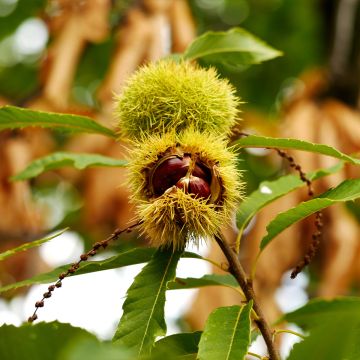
(298, 31)
(295, 29)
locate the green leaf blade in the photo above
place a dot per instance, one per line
(316, 311)
(177, 346)
(59, 159)
(227, 280)
(12, 117)
(334, 329)
(235, 47)
(29, 245)
(267, 142)
(269, 191)
(332, 341)
(227, 334)
(348, 190)
(143, 318)
(43, 341)
(93, 349)
(126, 258)
(131, 257)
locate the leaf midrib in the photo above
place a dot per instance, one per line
(155, 302)
(233, 334)
(222, 50)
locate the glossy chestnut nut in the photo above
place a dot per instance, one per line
(194, 185)
(168, 173)
(202, 172)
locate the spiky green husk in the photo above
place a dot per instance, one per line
(166, 96)
(175, 217)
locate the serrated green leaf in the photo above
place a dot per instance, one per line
(59, 159)
(12, 117)
(348, 190)
(267, 142)
(29, 245)
(334, 329)
(177, 346)
(131, 257)
(43, 341)
(227, 334)
(269, 191)
(236, 48)
(206, 280)
(143, 318)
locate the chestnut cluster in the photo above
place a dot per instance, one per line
(193, 177)
(184, 179)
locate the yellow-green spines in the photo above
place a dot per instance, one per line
(166, 96)
(175, 217)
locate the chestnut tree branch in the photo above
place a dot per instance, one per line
(238, 272)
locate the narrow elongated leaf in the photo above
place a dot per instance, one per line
(177, 346)
(269, 191)
(131, 257)
(12, 117)
(267, 142)
(348, 190)
(334, 329)
(227, 334)
(43, 341)
(191, 255)
(29, 245)
(206, 280)
(59, 159)
(235, 47)
(143, 318)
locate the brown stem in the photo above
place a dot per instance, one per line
(237, 270)
(316, 237)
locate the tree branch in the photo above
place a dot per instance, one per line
(237, 270)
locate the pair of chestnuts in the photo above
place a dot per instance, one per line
(182, 172)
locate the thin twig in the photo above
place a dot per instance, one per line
(237, 270)
(316, 237)
(74, 267)
(287, 331)
(255, 355)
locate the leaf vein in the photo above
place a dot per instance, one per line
(155, 302)
(233, 333)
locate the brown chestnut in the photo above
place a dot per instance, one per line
(194, 185)
(168, 173)
(202, 172)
